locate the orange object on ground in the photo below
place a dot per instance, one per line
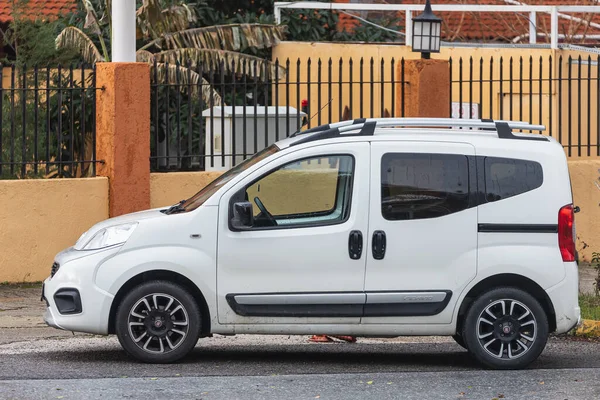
(326, 338)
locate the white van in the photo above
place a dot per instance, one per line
(371, 227)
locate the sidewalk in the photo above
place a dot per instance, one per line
(21, 311)
(21, 315)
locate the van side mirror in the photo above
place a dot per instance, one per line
(243, 216)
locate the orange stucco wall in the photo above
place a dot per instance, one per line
(169, 188)
(585, 180)
(40, 217)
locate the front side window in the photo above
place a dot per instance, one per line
(419, 186)
(311, 191)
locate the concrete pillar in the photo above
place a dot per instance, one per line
(427, 89)
(123, 134)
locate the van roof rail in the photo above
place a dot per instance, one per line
(367, 127)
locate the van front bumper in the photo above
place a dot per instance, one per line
(73, 301)
(50, 320)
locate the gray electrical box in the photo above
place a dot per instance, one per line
(261, 126)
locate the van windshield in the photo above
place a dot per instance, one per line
(199, 198)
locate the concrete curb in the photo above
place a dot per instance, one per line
(589, 328)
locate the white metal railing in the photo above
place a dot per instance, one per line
(556, 12)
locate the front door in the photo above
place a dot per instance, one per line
(423, 230)
(302, 261)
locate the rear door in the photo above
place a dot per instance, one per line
(422, 230)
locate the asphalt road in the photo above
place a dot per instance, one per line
(425, 385)
(265, 367)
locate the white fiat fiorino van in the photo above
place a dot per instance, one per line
(372, 227)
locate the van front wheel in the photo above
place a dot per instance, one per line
(158, 322)
(505, 328)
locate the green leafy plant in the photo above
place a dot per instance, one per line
(53, 128)
(323, 26)
(311, 25)
(372, 34)
(168, 39)
(596, 265)
(590, 306)
(30, 41)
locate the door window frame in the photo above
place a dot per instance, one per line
(239, 196)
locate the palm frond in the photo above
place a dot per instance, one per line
(188, 81)
(233, 62)
(148, 17)
(144, 56)
(73, 38)
(234, 37)
(105, 8)
(155, 22)
(179, 17)
(91, 17)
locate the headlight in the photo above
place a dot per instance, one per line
(107, 237)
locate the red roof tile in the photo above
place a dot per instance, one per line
(35, 9)
(503, 27)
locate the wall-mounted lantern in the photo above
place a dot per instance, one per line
(427, 32)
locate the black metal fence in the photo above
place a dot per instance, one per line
(214, 116)
(561, 93)
(238, 108)
(47, 122)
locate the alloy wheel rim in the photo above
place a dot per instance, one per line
(506, 329)
(158, 323)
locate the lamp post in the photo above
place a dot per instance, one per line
(427, 32)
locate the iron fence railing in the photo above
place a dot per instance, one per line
(47, 121)
(561, 93)
(209, 117)
(239, 108)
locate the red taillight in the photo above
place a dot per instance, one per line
(566, 236)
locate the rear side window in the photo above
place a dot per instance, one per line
(419, 186)
(507, 177)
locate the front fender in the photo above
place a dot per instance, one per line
(194, 264)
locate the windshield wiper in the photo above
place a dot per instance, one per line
(176, 208)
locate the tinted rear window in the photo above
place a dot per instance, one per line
(507, 177)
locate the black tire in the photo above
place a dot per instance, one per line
(496, 345)
(460, 341)
(174, 327)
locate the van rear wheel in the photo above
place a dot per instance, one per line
(505, 328)
(158, 322)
